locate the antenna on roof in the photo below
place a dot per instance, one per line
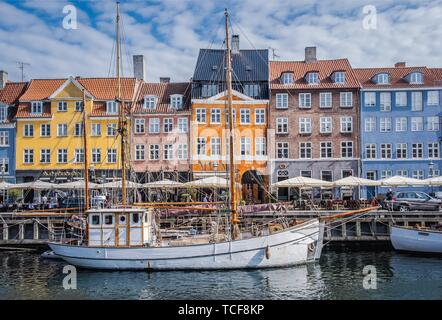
(21, 66)
(274, 55)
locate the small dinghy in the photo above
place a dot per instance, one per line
(419, 240)
(50, 255)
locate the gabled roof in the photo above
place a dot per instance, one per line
(162, 91)
(301, 68)
(397, 75)
(12, 91)
(65, 84)
(41, 89)
(105, 88)
(247, 65)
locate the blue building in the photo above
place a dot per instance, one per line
(400, 124)
(9, 95)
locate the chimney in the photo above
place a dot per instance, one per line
(3, 78)
(235, 44)
(164, 79)
(400, 65)
(139, 67)
(310, 54)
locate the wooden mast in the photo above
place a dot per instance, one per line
(233, 204)
(85, 153)
(121, 114)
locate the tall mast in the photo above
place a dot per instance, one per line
(233, 205)
(121, 114)
(86, 163)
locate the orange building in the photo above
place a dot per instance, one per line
(209, 139)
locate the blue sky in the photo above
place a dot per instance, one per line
(170, 32)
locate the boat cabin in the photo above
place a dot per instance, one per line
(120, 227)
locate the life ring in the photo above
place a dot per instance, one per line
(311, 247)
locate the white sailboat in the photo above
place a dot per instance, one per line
(128, 237)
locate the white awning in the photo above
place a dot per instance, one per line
(5, 185)
(210, 182)
(79, 184)
(36, 185)
(118, 185)
(435, 181)
(399, 181)
(163, 184)
(352, 181)
(302, 182)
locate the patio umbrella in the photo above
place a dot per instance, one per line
(163, 184)
(302, 182)
(352, 181)
(37, 185)
(118, 185)
(399, 181)
(5, 185)
(210, 182)
(435, 181)
(78, 184)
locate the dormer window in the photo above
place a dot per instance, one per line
(36, 107)
(383, 78)
(416, 78)
(176, 101)
(287, 78)
(339, 77)
(312, 78)
(111, 107)
(3, 112)
(150, 102)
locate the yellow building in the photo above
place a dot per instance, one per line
(210, 147)
(50, 144)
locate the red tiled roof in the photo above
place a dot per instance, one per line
(437, 73)
(12, 92)
(105, 88)
(24, 111)
(41, 89)
(162, 91)
(397, 75)
(300, 68)
(99, 109)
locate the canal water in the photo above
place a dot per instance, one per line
(339, 275)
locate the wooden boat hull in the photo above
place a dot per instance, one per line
(415, 240)
(296, 245)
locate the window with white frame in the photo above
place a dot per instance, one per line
(3, 112)
(78, 155)
(62, 130)
(226, 111)
(416, 101)
(79, 106)
(370, 151)
(401, 98)
(386, 174)
(168, 124)
(418, 174)
(112, 130)
(154, 125)
(140, 126)
(96, 129)
(383, 78)
(28, 130)
(305, 100)
(78, 129)
(112, 155)
(150, 102)
(433, 98)
(154, 152)
(62, 156)
(402, 173)
(313, 78)
(45, 155)
(62, 106)
(325, 125)
(287, 78)
(215, 146)
(183, 125)
(260, 116)
(251, 90)
(140, 153)
(326, 149)
(260, 146)
(282, 150)
(201, 146)
(176, 101)
(4, 138)
(385, 124)
(433, 150)
(386, 152)
(168, 152)
(201, 115)
(112, 107)
(305, 125)
(416, 78)
(209, 90)
(346, 124)
(401, 151)
(244, 116)
(401, 124)
(282, 125)
(28, 156)
(325, 100)
(96, 155)
(433, 123)
(346, 99)
(327, 175)
(339, 77)
(306, 173)
(385, 101)
(417, 150)
(370, 99)
(215, 115)
(282, 100)
(370, 124)
(246, 146)
(417, 123)
(305, 150)
(45, 130)
(37, 107)
(182, 151)
(347, 149)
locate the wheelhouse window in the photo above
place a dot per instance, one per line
(109, 219)
(95, 219)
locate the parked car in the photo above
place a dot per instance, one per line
(413, 200)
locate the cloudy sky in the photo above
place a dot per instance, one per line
(170, 32)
